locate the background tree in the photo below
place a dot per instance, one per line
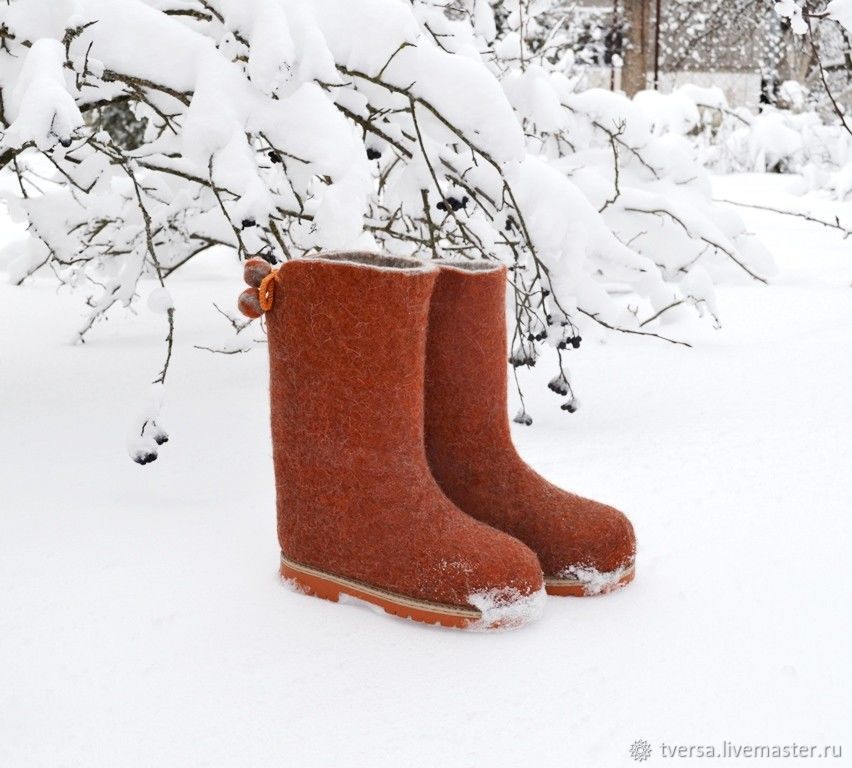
(638, 53)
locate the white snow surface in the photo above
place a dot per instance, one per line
(143, 623)
(841, 10)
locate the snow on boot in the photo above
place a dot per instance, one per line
(359, 513)
(584, 547)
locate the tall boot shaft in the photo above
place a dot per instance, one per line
(466, 384)
(346, 355)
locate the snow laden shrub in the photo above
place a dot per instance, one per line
(141, 133)
(788, 139)
(824, 153)
(779, 141)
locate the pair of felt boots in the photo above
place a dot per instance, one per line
(397, 481)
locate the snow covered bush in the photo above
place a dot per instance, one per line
(777, 140)
(792, 135)
(141, 133)
(780, 141)
(824, 153)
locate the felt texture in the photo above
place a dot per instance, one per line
(469, 443)
(355, 497)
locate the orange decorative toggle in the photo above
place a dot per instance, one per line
(255, 270)
(258, 298)
(249, 303)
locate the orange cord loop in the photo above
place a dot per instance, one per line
(266, 291)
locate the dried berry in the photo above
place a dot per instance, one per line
(521, 357)
(373, 154)
(145, 457)
(452, 203)
(559, 384)
(522, 417)
(274, 156)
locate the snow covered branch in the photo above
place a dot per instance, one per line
(142, 135)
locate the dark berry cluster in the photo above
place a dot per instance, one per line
(274, 156)
(559, 384)
(145, 457)
(570, 341)
(452, 203)
(522, 357)
(522, 417)
(373, 154)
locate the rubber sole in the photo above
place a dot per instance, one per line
(312, 581)
(580, 588)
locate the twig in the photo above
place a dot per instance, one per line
(837, 109)
(617, 191)
(238, 351)
(660, 312)
(797, 214)
(712, 243)
(631, 331)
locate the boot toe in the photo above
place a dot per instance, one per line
(598, 555)
(504, 582)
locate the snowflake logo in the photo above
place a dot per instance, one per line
(640, 750)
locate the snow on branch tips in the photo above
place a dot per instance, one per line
(140, 134)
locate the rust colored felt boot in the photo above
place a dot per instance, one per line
(359, 513)
(584, 547)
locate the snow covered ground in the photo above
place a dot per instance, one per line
(142, 622)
